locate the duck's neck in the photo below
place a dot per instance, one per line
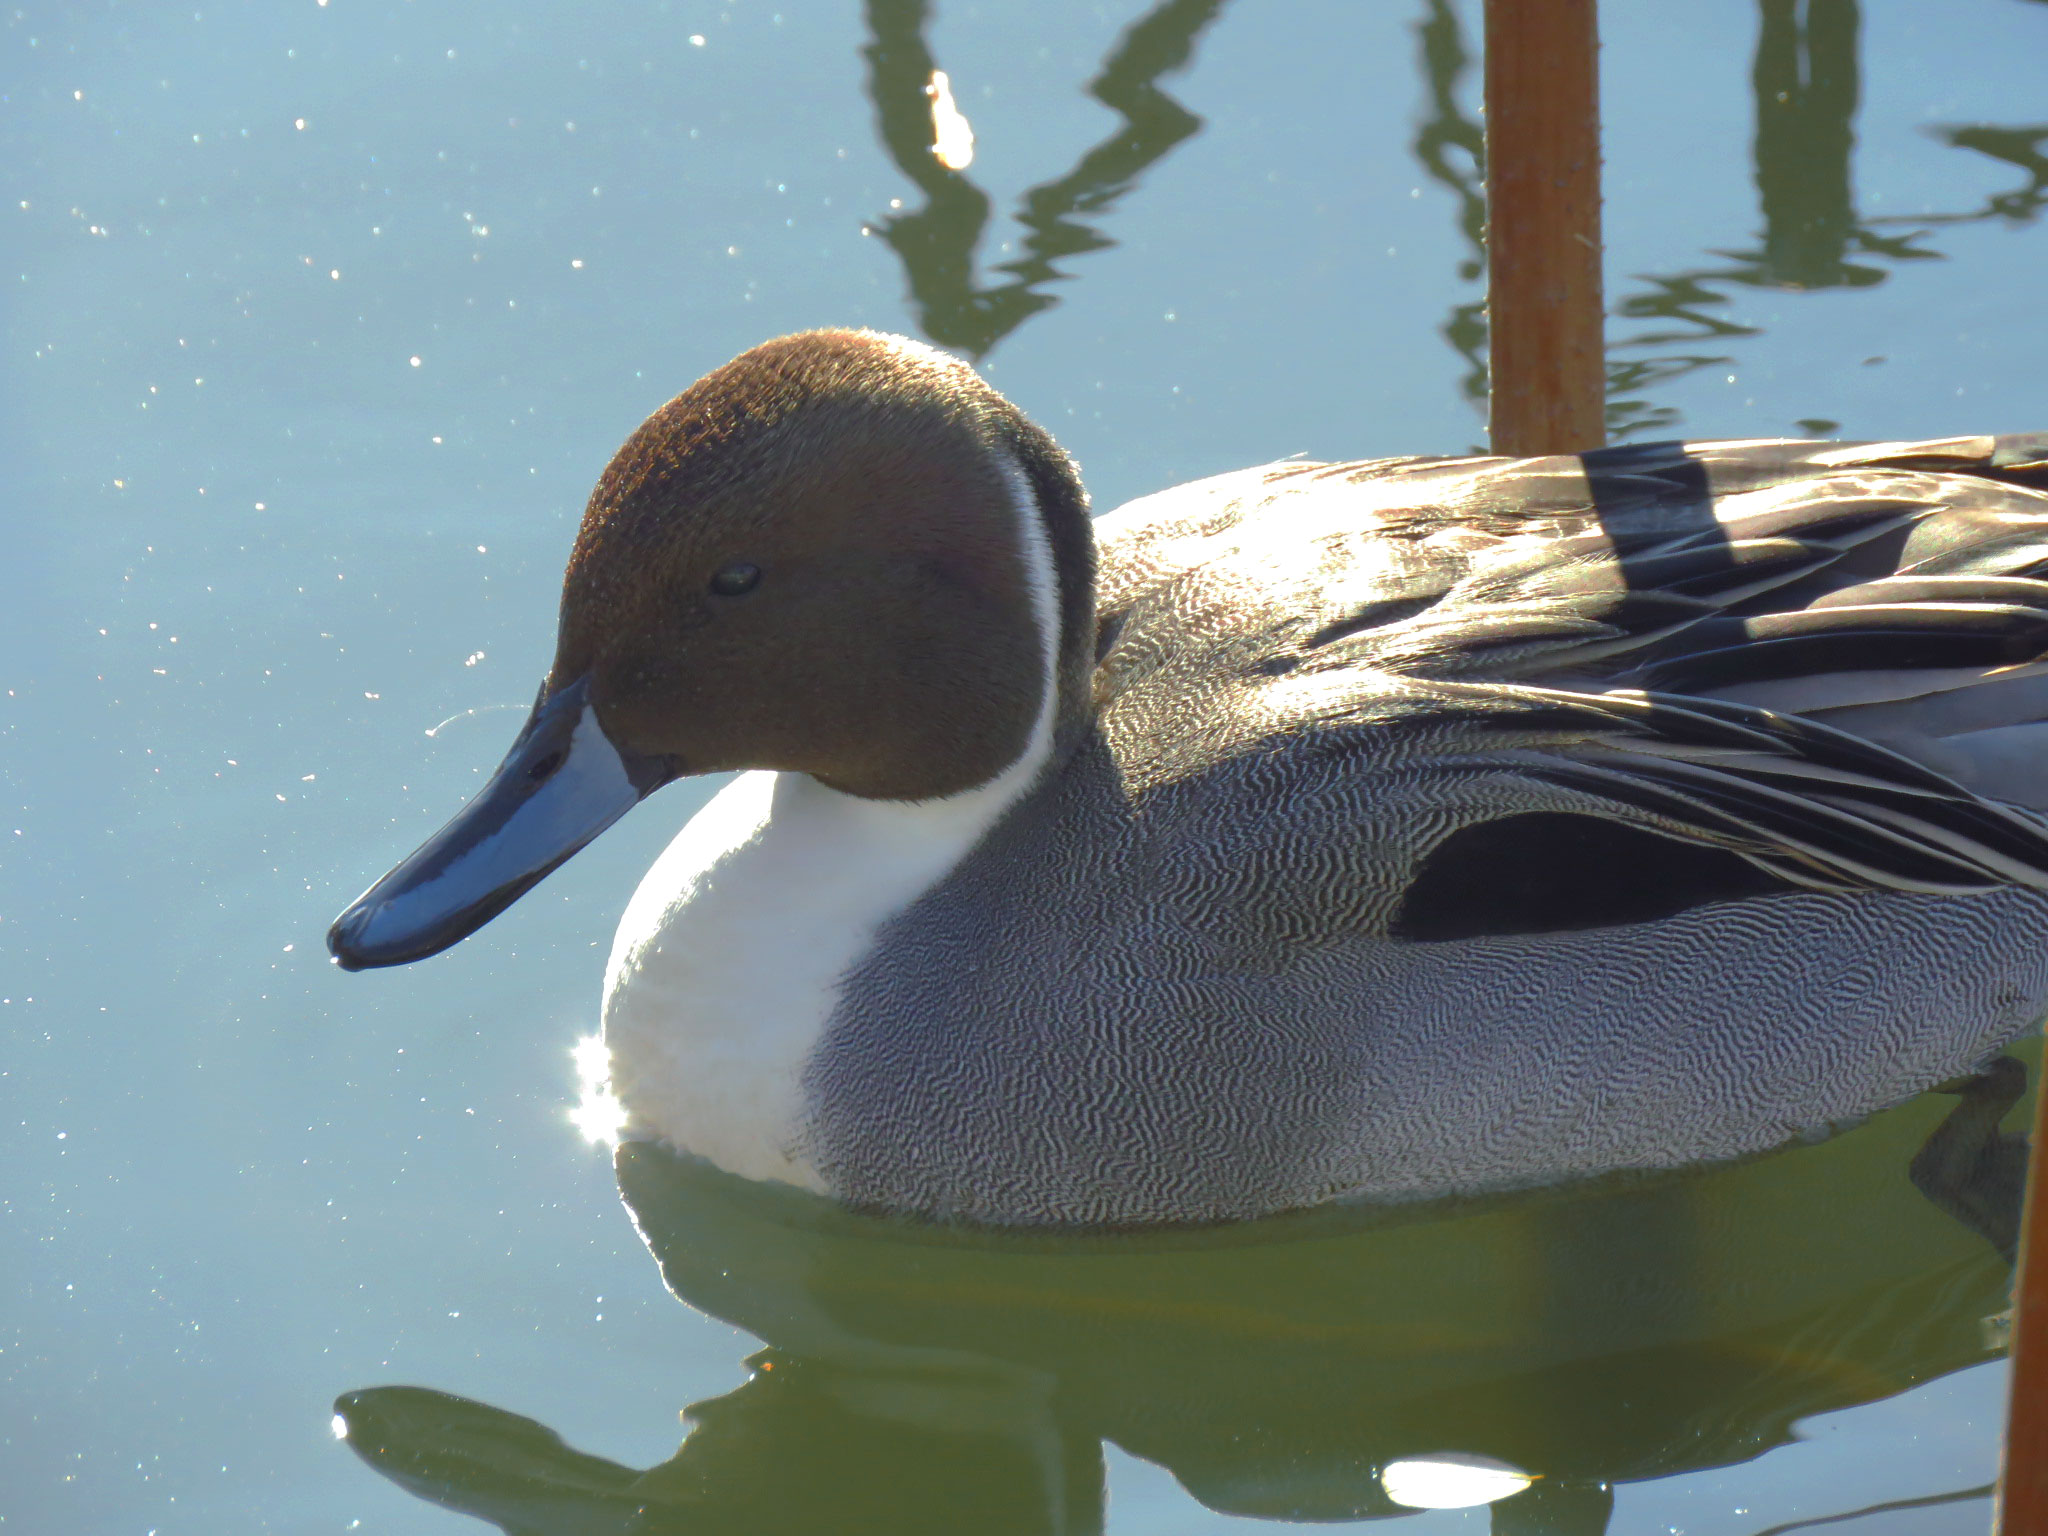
(729, 960)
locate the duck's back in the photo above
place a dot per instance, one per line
(1447, 825)
(1813, 578)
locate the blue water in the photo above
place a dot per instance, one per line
(320, 319)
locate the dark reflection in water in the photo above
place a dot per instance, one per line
(924, 1379)
(1452, 149)
(1890, 1506)
(1806, 84)
(937, 242)
(1806, 81)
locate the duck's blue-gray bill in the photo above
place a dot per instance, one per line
(562, 783)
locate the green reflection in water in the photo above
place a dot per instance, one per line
(937, 242)
(1441, 137)
(924, 1378)
(1806, 82)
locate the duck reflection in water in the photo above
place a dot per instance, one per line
(934, 1380)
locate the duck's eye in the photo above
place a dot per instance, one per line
(736, 579)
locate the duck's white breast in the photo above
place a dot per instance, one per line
(728, 960)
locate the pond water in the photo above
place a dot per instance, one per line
(320, 319)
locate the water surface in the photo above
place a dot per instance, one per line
(320, 319)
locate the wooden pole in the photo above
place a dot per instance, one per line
(1548, 391)
(2023, 1479)
(1549, 364)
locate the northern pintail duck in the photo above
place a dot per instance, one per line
(1388, 830)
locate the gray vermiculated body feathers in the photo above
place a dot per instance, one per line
(1247, 948)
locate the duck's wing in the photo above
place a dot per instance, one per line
(1897, 591)
(1703, 568)
(1437, 811)
(1812, 806)
(1827, 662)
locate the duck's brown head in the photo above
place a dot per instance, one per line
(842, 554)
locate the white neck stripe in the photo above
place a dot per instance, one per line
(1042, 577)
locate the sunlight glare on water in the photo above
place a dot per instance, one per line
(1451, 1480)
(952, 134)
(597, 1115)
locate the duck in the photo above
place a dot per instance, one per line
(1385, 832)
